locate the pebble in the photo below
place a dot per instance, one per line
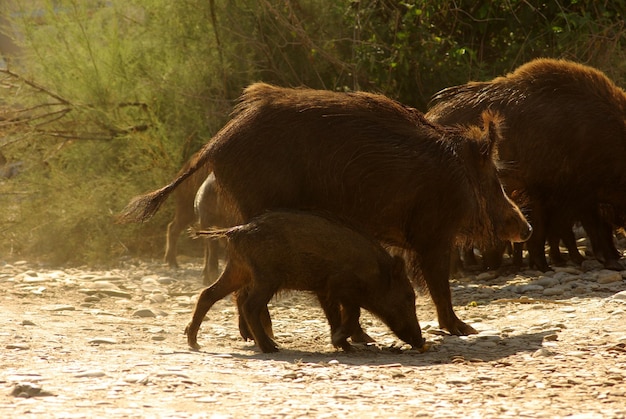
(22, 346)
(28, 390)
(116, 293)
(157, 298)
(144, 312)
(529, 288)
(553, 291)
(620, 296)
(90, 374)
(505, 338)
(99, 340)
(543, 352)
(606, 277)
(546, 281)
(59, 307)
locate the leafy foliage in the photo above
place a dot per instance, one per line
(108, 98)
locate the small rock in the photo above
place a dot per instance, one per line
(621, 296)
(591, 264)
(606, 277)
(542, 352)
(486, 276)
(157, 298)
(566, 269)
(530, 288)
(22, 346)
(116, 293)
(144, 312)
(103, 285)
(136, 378)
(97, 341)
(59, 307)
(553, 291)
(551, 338)
(28, 390)
(546, 281)
(90, 374)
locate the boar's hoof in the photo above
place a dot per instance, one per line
(361, 337)
(421, 349)
(460, 329)
(340, 340)
(267, 345)
(269, 349)
(418, 344)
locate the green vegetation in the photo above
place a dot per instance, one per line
(106, 99)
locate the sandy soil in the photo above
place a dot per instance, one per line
(81, 343)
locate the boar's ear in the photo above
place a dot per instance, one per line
(492, 123)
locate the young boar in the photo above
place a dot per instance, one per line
(310, 252)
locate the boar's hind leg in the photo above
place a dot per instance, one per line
(211, 261)
(435, 266)
(171, 240)
(333, 313)
(244, 331)
(230, 281)
(253, 307)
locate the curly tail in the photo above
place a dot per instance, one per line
(211, 233)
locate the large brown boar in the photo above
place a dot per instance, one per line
(563, 145)
(409, 182)
(311, 252)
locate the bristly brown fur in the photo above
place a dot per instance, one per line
(563, 148)
(211, 233)
(406, 181)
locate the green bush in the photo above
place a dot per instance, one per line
(109, 98)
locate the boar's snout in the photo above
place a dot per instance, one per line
(515, 226)
(528, 231)
(519, 230)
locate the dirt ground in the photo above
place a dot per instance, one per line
(80, 343)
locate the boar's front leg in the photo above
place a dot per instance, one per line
(333, 312)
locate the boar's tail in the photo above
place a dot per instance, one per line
(211, 233)
(143, 207)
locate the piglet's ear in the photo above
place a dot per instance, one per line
(492, 126)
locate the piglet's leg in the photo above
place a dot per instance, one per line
(244, 330)
(349, 323)
(230, 281)
(332, 310)
(253, 309)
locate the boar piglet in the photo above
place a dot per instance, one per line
(295, 250)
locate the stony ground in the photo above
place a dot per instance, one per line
(79, 343)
